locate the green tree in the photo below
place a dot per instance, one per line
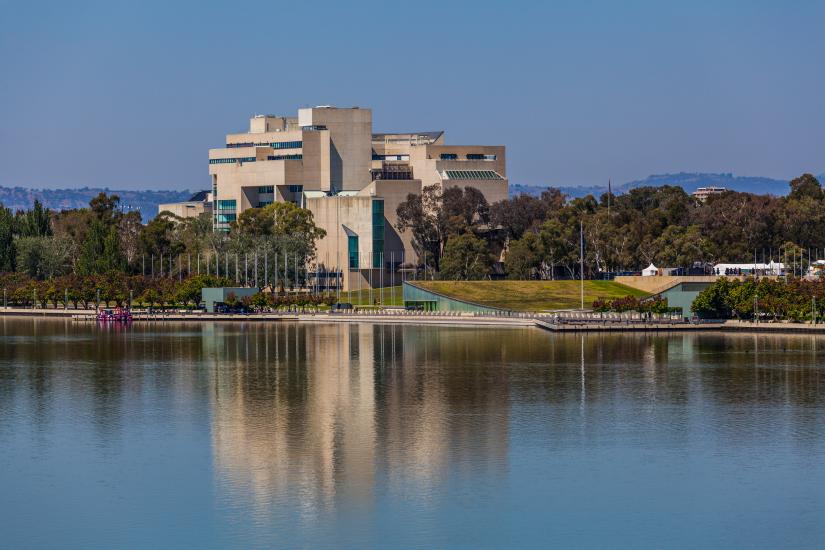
(7, 248)
(100, 251)
(44, 257)
(523, 258)
(466, 257)
(681, 246)
(158, 237)
(713, 301)
(35, 222)
(435, 215)
(805, 185)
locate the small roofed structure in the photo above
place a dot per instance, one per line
(650, 271)
(218, 297)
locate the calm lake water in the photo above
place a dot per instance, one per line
(301, 435)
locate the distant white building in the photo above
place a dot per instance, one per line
(772, 268)
(704, 192)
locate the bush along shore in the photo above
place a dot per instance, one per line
(119, 290)
(792, 299)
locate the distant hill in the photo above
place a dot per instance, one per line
(688, 181)
(20, 198)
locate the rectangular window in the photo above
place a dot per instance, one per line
(226, 218)
(352, 251)
(231, 161)
(295, 188)
(449, 156)
(227, 204)
(273, 144)
(266, 189)
(377, 233)
(286, 144)
(262, 204)
(285, 157)
(480, 156)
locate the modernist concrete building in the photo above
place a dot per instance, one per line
(328, 160)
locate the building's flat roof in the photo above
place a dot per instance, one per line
(432, 136)
(200, 196)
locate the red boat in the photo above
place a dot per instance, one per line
(119, 315)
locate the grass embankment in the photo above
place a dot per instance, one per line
(530, 295)
(392, 297)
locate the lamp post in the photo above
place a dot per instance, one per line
(581, 260)
(756, 308)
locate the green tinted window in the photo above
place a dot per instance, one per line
(352, 250)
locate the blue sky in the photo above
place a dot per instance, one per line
(132, 94)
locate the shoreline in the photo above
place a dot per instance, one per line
(435, 318)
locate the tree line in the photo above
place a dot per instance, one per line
(455, 232)
(276, 242)
(791, 299)
(458, 235)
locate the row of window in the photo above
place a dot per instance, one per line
(226, 218)
(286, 144)
(229, 204)
(261, 204)
(393, 172)
(468, 156)
(390, 157)
(266, 189)
(285, 157)
(273, 144)
(231, 161)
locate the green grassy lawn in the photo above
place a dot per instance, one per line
(392, 297)
(530, 295)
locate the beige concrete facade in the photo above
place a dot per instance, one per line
(328, 160)
(198, 204)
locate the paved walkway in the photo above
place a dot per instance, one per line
(550, 322)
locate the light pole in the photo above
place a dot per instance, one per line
(581, 260)
(756, 308)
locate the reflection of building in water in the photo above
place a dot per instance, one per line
(292, 407)
(311, 413)
(446, 403)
